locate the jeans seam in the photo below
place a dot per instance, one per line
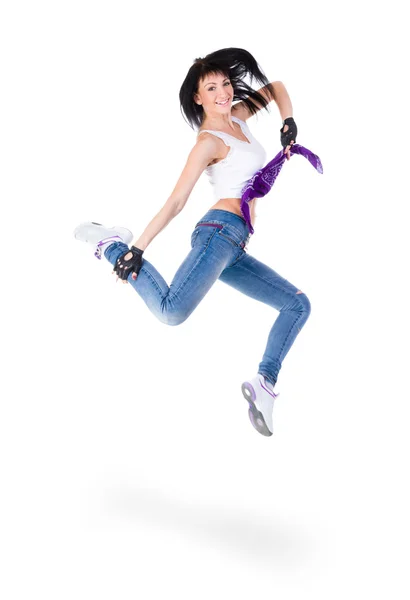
(241, 255)
(299, 316)
(195, 265)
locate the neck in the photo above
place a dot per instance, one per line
(218, 122)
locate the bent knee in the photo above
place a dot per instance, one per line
(172, 318)
(304, 301)
(174, 322)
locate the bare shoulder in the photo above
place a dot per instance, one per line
(209, 146)
(206, 140)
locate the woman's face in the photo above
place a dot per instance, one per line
(215, 94)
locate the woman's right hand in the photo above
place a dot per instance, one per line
(128, 262)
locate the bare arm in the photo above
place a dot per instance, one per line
(274, 91)
(283, 101)
(204, 151)
(157, 224)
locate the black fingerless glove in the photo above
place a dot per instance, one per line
(124, 267)
(290, 134)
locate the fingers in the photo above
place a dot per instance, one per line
(134, 277)
(287, 149)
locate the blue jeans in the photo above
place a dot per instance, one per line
(218, 251)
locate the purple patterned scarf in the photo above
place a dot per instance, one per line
(261, 183)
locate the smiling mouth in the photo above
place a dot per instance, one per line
(222, 103)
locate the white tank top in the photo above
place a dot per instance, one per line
(228, 176)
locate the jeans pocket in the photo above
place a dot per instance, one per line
(203, 233)
(228, 238)
(234, 238)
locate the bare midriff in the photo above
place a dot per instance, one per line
(234, 205)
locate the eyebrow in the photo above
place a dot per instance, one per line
(213, 82)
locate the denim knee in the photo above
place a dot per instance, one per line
(304, 305)
(172, 315)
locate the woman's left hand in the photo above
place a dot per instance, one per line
(287, 150)
(288, 132)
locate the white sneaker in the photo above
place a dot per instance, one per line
(101, 237)
(261, 397)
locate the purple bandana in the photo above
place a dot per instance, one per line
(261, 183)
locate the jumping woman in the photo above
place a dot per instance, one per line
(230, 155)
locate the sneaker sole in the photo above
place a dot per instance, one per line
(255, 416)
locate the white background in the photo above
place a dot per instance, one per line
(129, 467)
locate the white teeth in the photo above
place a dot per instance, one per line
(222, 103)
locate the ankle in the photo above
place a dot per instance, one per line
(106, 243)
(269, 380)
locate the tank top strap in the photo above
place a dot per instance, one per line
(237, 120)
(220, 134)
(244, 126)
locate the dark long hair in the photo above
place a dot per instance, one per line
(234, 63)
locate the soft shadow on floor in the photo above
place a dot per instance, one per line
(259, 538)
